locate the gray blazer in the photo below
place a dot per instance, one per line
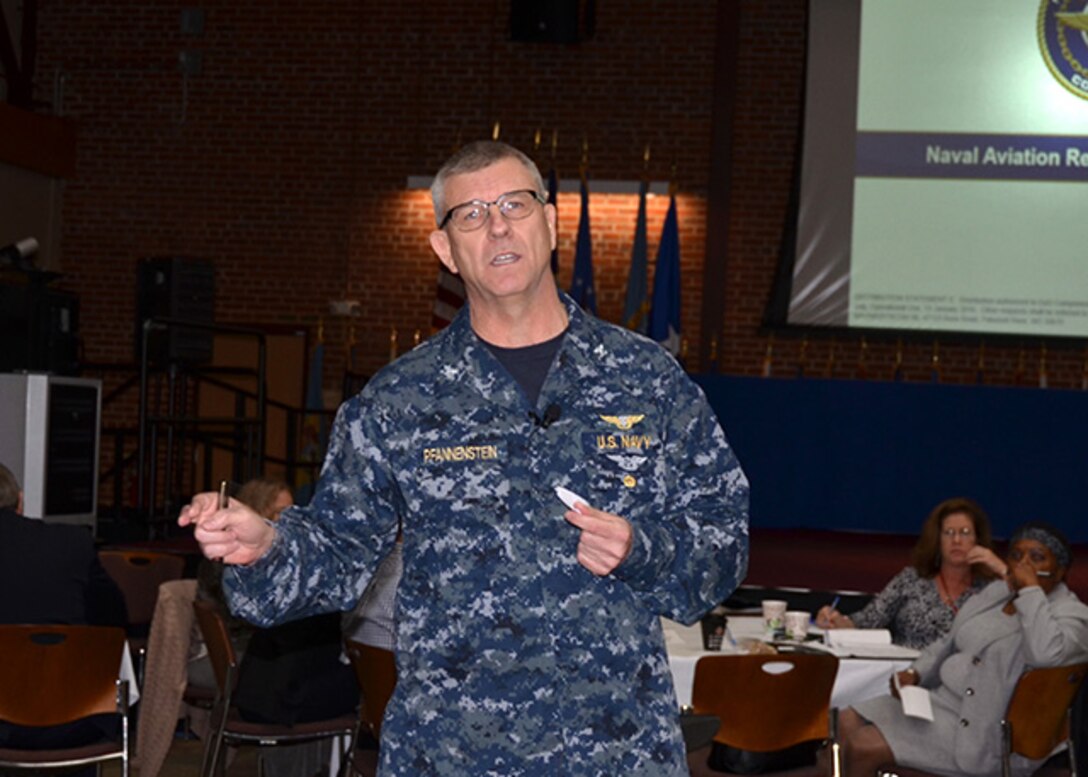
(974, 668)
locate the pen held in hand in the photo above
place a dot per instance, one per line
(224, 498)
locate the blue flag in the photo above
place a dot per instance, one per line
(665, 308)
(637, 303)
(581, 284)
(553, 198)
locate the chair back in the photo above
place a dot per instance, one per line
(50, 675)
(766, 702)
(220, 649)
(376, 671)
(139, 574)
(1036, 720)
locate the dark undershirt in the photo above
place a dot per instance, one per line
(529, 365)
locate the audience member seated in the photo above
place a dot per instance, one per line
(268, 497)
(373, 622)
(952, 561)
(50, 574)
(290, 673)
(1030, 619)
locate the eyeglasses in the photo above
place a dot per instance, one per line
(1036, 556)
(514, 206)
(964, 532)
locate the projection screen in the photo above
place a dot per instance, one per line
(944, 178)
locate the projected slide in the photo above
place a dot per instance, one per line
(945, 178)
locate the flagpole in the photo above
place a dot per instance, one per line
(553, 199)
(636, 304)
(582, 285)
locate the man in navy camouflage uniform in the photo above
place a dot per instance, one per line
(529, 639)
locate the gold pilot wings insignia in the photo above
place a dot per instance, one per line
(622, 422)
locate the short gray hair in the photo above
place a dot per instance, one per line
(476, 156)
(9, 489)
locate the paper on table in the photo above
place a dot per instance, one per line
(865, 643)
(839, 637)
(915, 700)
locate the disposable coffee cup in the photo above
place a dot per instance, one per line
(774, 617)
(797, 624)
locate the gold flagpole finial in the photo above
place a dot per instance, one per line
(555, 143)
(417, 337)
(536, 141)
(392, 343)
(495, 131)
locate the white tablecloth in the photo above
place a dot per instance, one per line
(858, 678)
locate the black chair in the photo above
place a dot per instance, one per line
(227, 725)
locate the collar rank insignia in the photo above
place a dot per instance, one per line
(622, 422)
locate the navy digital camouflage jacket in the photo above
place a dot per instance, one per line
(513, 659)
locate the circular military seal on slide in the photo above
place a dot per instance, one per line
(1063, 40)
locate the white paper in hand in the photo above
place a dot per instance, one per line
(915, 700)
(568, 497)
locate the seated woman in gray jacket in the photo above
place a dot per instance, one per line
(1031, 619)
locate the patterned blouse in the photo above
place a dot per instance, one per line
(910, 606)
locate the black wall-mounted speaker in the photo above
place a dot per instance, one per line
(551, 21)
(39, 329)
(181, 289)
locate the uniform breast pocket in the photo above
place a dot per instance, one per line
(622, 473)
(463, 477)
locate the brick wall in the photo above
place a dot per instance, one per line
(285, 160)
